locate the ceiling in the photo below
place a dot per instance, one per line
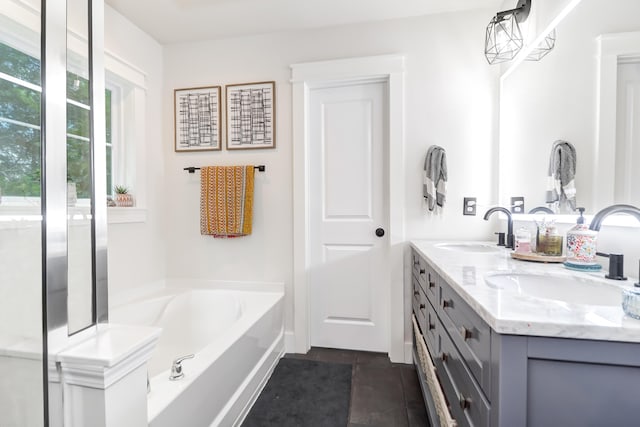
(175, 21)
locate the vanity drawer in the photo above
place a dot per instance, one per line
(432, 327)
(426, 275)
(419, 304)
(466, 401)
(470, 334)
(419, 268)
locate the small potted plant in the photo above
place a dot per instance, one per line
(122, 196)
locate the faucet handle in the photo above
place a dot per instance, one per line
(616, 267)
(176, 367)
(178, 360)
(500, 239)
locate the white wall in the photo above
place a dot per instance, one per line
(450, 100)
(137, 250)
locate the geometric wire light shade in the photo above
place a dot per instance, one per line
(543, 48)
(503, 40)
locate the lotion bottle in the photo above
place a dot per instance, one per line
(581, 242)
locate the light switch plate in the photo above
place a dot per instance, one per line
(517, 205)
(469, 206)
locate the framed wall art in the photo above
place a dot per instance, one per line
(197, 118)
(251, 115)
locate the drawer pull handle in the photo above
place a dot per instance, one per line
(422, 271)
(415, 261)
(432, 284)
(466, 333)
(444, 357)
(465, 403)
(422, 306)
(447, 304)
(416, 293)
(432, 326)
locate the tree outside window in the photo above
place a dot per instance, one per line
(20, 136)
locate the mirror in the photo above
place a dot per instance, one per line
(559, 98)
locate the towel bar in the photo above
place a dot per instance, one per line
(193, 169)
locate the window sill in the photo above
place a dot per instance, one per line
(21, 216)
(117, 215)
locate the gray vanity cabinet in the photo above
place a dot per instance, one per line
(459, 343)
(501, 380)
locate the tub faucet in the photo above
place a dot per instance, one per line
(509, 223)
(176, 367)
(616, 261)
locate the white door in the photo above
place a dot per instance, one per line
(349, 285)
(628, 134)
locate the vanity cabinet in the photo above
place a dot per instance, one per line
(495, 379)
(459, 347)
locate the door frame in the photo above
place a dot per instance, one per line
(611, 48)
(304, 77)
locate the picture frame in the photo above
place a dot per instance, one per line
(198, 118)
(250, 115)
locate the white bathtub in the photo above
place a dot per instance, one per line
(236, 336)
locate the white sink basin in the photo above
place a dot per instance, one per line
(469, 247)
(559, 288)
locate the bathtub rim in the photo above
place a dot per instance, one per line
(142, 292)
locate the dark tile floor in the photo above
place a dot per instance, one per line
(383, 394)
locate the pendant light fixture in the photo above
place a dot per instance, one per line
(503, 39)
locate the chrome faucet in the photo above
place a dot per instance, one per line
(616, 261)
(506, 211)
(176, 367)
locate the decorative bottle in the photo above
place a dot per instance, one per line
(581, 242)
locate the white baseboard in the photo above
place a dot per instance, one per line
(408, 352)
(289, 342)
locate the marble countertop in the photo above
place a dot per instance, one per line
(510, 312)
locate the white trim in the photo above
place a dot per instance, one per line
(78, 104)
(116, 215)
(18, 123)
(408, 352)
(389, 68)
(611, 48)
(14, 216)
(108, 356)
(289, 342)
(20, 82)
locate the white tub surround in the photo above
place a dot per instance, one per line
(236, 336)
(510, 312)
(104, 378)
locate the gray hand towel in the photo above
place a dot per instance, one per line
(435, 177)
(561, 188)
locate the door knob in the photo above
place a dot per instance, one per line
(380, 232)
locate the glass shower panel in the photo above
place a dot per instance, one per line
(21, 276)
(79, 168)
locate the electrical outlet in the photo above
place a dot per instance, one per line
(469, 207)
(517, 205)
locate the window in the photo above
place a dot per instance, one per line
(19, 123)
(20, 143)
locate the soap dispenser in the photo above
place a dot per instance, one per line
(581, 242)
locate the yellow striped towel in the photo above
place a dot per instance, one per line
(226, 200)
